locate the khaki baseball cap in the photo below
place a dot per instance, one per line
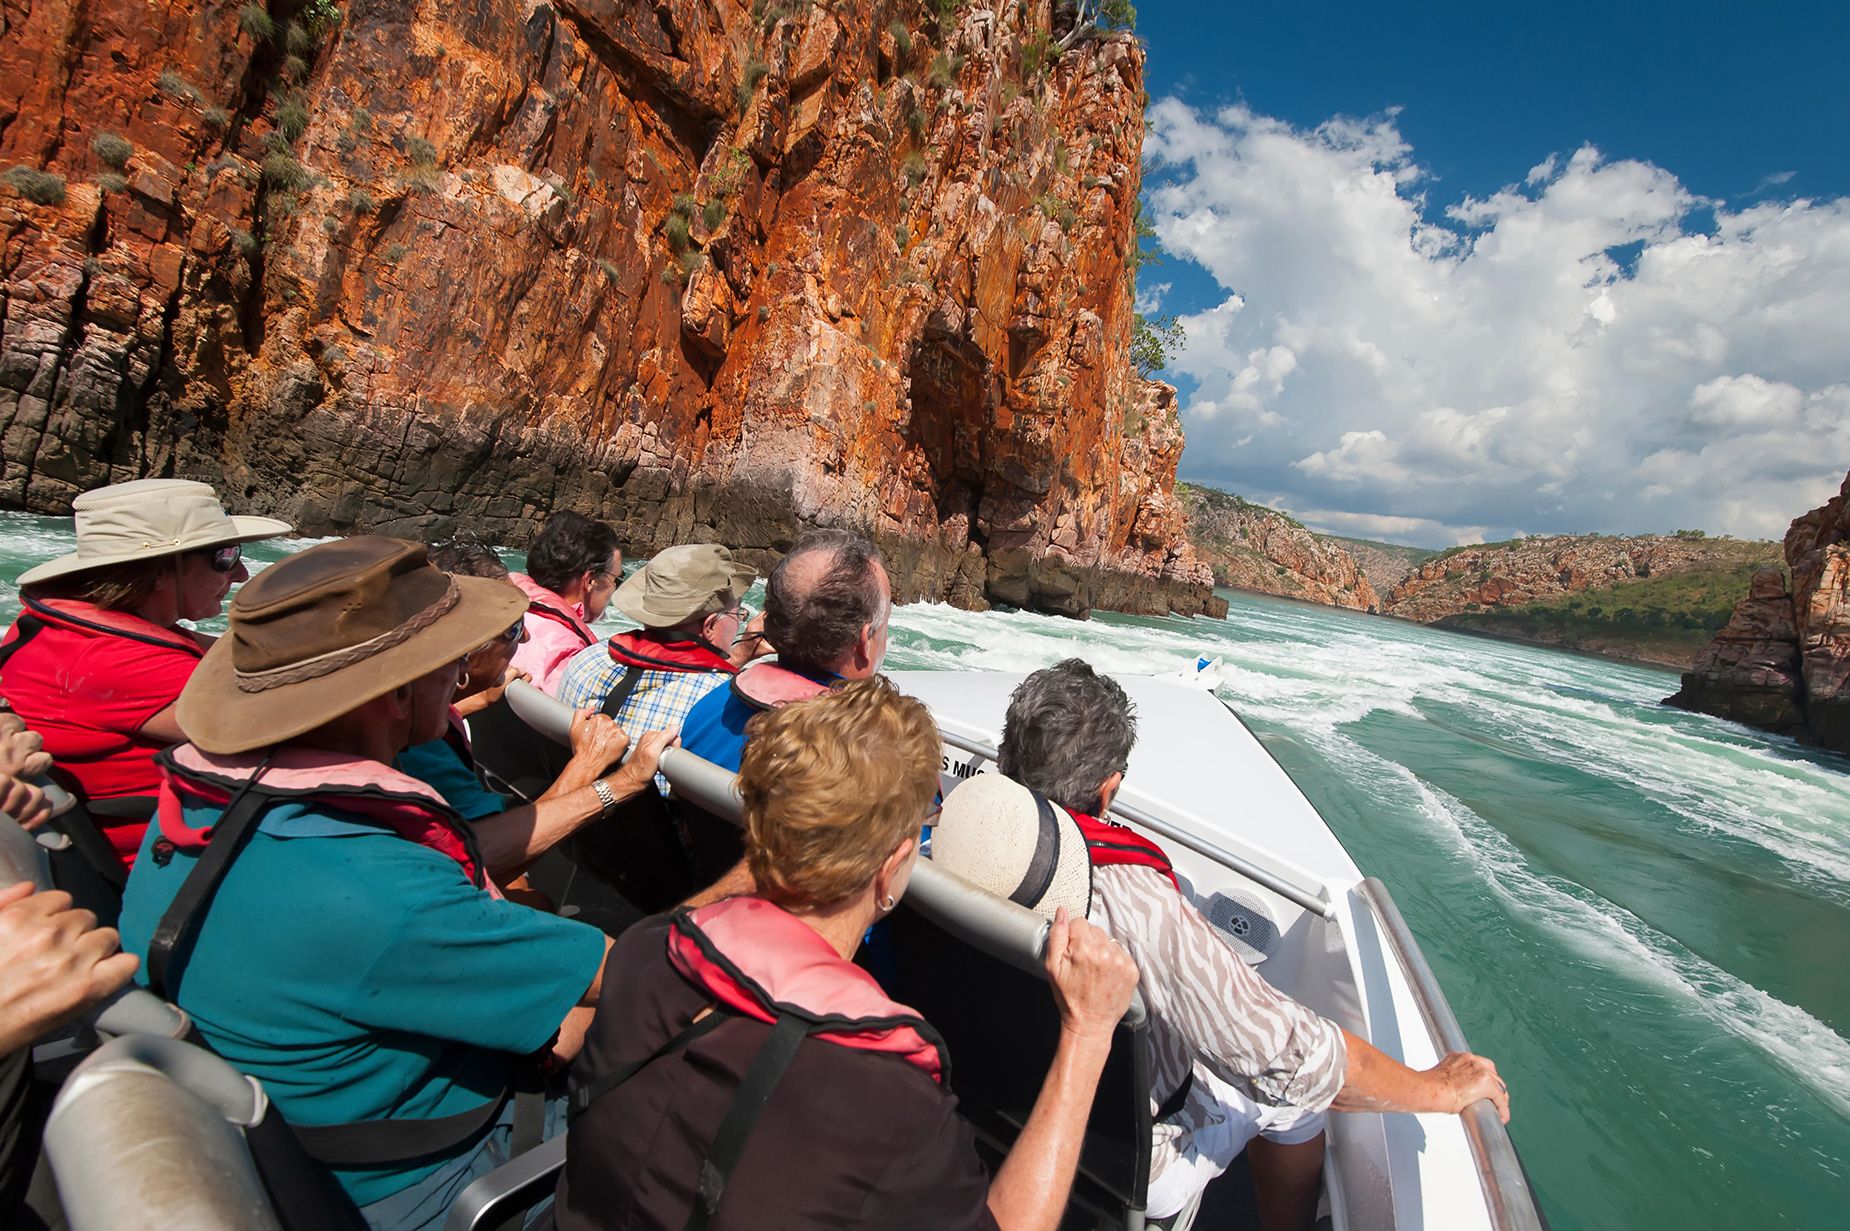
(696, 579)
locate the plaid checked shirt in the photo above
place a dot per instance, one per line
(659, 703)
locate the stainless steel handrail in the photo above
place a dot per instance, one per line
(1507, 1196)
(1182, 837)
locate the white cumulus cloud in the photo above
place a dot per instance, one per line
(1597, 348)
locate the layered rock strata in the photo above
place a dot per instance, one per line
(1783, 662)
(712, 270)
(1252, 547)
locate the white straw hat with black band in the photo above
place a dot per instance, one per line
(1015, 843)
(146, 520)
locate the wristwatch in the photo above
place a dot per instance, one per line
(605, 795)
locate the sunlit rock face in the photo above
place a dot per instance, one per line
(713, 271)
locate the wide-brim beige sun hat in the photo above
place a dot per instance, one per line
(694, 579)
(329, 629)
(147, 519)
(1015, 843)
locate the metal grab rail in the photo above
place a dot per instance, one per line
(1311, 902)
(1507, 1196)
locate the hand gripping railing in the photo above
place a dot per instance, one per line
(1310, 901)
(1507, 1196)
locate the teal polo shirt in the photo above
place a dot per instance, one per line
(361, 976)
(438, 766)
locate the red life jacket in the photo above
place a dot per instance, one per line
(771, 685)
(760, 961)
(87, 618)
(636, 649)
(1108, 842)
(352, 785)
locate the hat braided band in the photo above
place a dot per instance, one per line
(326, 664)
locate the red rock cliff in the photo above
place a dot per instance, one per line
(1783, 662)
(711, 270)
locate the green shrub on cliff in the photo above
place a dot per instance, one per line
(714, 213)
(38, 187)
(111, 150)
(282, 172)
(292, 117)
(676, 229)
(255, 20)
(749, 77)
(902, 41)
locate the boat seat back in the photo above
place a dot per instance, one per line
(958, 956)
(515, 757)
(154, 1132)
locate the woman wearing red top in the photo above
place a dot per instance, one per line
(98, 656)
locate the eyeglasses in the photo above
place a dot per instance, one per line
(224, 559)
(516, 632)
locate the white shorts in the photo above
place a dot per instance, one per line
(1210, 1150)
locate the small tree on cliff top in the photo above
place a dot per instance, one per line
(1093, 17)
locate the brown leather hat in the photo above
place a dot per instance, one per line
(329, 629)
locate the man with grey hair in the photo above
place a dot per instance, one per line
(826, 608)
(826, 605)
(1236, 1063)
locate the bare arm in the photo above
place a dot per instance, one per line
(511, 841)
(164, 727)
(1378, 1082)
(1092, 982)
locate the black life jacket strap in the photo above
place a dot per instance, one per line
(625, 689)
(591, 1091)
(754, 1092)
(195, 896)
(1177, 1100)
(29, 626)
(370, 1143)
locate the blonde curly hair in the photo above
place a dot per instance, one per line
(831, 786)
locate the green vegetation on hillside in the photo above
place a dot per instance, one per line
(1414, 556)
(1215, 498)
(1658, 619)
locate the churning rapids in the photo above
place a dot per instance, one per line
(1643, 915)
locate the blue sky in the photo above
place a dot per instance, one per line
(1408, 250)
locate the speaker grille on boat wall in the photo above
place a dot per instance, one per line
(1246, 923)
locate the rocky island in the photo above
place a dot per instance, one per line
(711, 269)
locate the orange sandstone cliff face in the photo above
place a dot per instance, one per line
(713, 271)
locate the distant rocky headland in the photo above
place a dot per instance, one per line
(1783, 661)
(710, 269)
(1651, 598)
(1648, 598)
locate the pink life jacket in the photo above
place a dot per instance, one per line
(760, 961)
(771, 685)
(352, 785)
(556, 630)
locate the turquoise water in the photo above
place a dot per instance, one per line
(1642, 915)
